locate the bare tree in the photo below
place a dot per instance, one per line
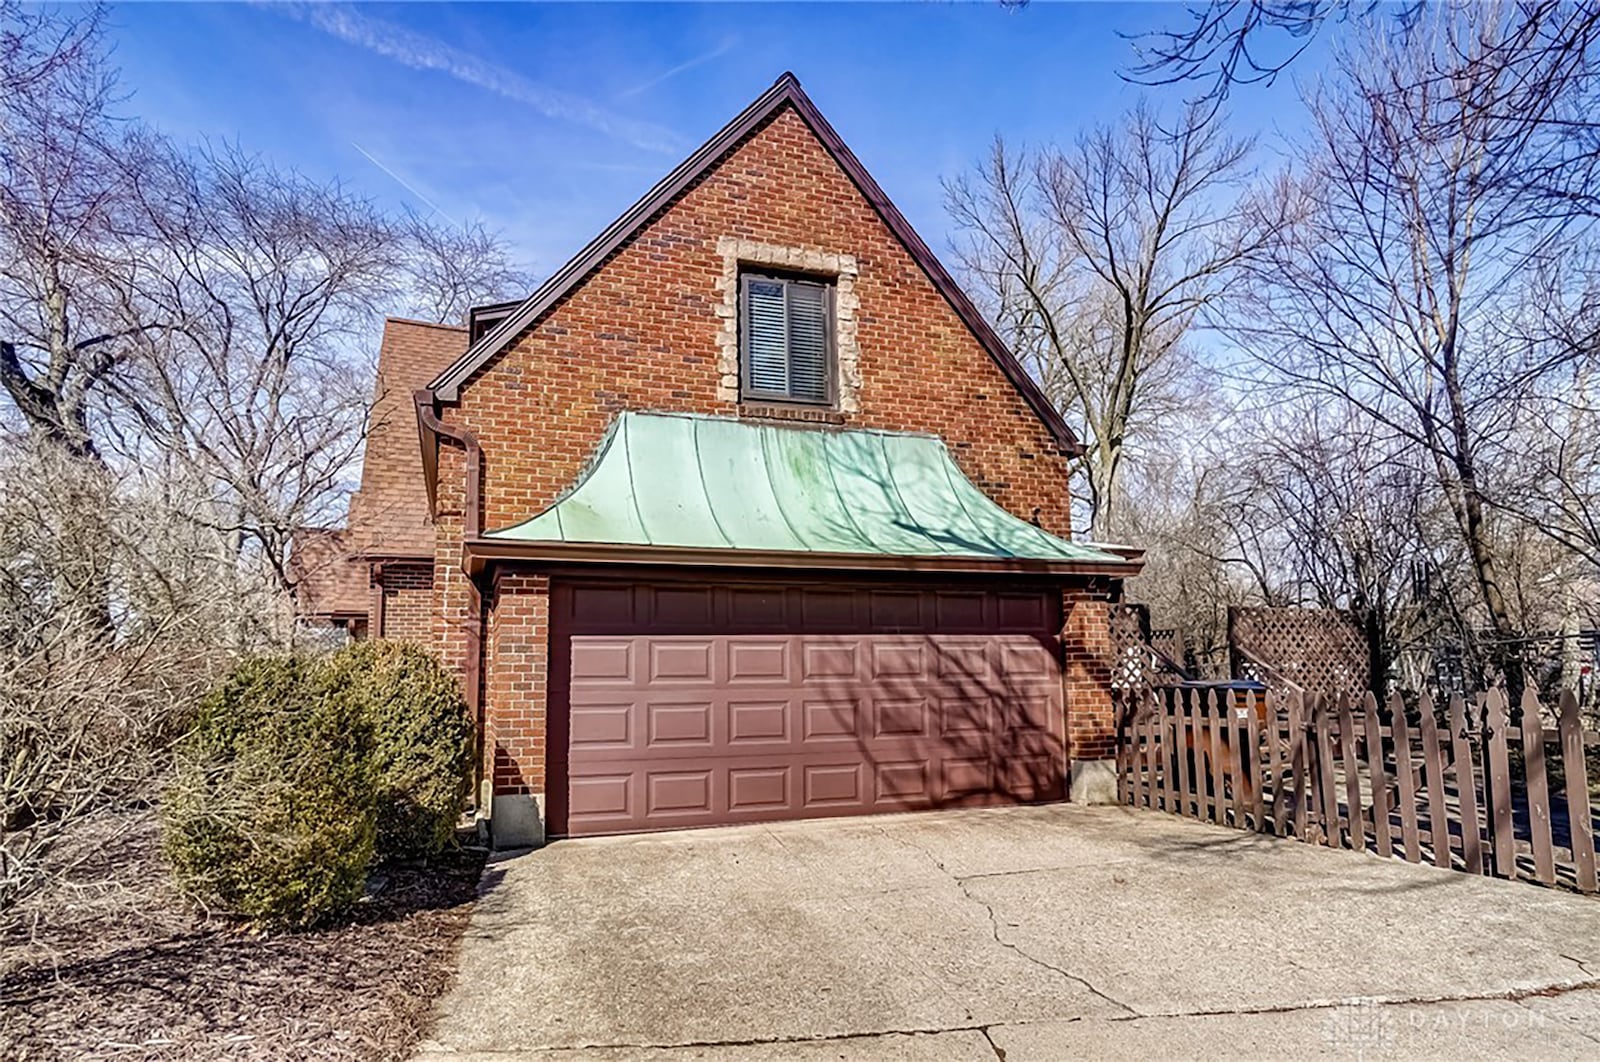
(1393, 291)
(1097, 262)
(1201, 560)
(185, 335)
(85, 720)
(259, 386)
(451, 268)
(1345, 519)
(1224, 44)
(63, 274)
(1548, 476)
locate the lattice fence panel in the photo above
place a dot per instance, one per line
(1321, 650)
(1137, 667)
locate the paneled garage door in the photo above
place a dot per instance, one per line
(695, 705)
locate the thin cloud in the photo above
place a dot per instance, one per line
(425, 53)
(716, 53)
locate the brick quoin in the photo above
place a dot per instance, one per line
(641, 333)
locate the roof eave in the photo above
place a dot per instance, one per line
(480, 553)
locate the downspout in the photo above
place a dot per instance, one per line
(378, 603)
(432, 429)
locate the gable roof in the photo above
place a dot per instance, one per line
(785, 91)
(390, 515)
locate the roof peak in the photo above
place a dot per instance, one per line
(784, 92)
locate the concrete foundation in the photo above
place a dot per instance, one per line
(516, 820)
(1093, 782)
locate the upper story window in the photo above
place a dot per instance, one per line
(786, 348)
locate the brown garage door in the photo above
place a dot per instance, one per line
(695, 705)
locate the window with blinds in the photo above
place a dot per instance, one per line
(786, 339)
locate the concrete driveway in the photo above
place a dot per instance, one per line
(1014, 934)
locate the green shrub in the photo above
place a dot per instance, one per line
(272, 812)
(299, 774)
(421, 742)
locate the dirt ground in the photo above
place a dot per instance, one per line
(118, 966)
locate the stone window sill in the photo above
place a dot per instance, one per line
(798, 413)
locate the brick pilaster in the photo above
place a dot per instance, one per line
(516, 683)
(1088, 659)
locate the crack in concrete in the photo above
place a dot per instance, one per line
(1577, 962)
(985, 875)
(999, 1052)
(1517, 996)
(1513, 995)
(994, 928)
(756, 1041)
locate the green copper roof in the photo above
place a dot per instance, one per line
(708, 482)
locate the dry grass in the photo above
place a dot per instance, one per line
(116, 966)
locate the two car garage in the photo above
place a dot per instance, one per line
(679, 703)
(731, 620)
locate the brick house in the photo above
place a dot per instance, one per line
(745, 514)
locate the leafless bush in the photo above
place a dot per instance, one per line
(88, 711)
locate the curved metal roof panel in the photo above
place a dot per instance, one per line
(701, 482)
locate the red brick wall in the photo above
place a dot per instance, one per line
(641, 333)
(1089, 654)
(515, 682)
(408, 602)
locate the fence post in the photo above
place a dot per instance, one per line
(1327, 787)
(1352, 774)
(1152, 736)
(1297, 759)
(1123, 710)
(1184, 746)
(1171, 754)
(1219, 765)
(1252, 750)
(1544, 862)
(1236, 762)
(1280, 802)
(1405, 774)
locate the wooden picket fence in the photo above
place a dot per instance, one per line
(1460, 787)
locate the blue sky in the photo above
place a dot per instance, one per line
(546, 121)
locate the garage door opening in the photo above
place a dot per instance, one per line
(679, 704)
